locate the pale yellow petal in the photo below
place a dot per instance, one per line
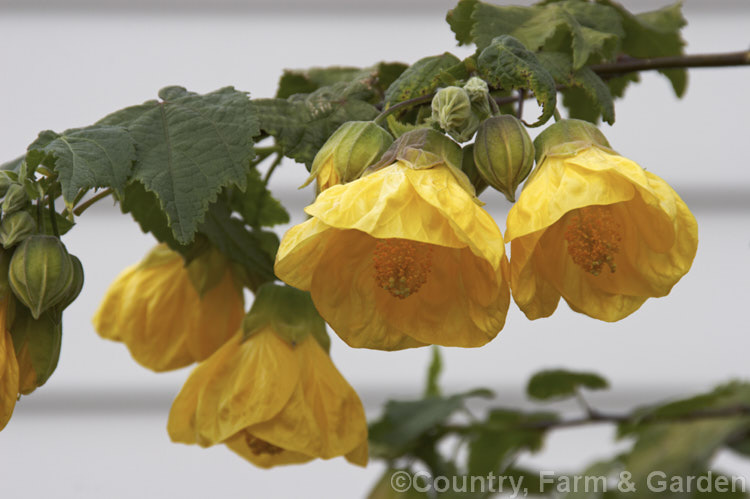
(8, 368)
(241, 384)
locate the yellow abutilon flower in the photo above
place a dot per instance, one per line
(271, 393)
(8, 366)
(155, 309)
(596, 229)
(400, 258)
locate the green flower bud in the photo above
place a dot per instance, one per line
(37, 345)
(16, 227)
(479, 94)
(41, 272)
(73, 290)
(353, 147)
(470, 169)
(5, 183)
(15, 199)
(568, 137)
(452, 111)
(503, 153)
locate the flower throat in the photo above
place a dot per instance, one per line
(593, 237)
(259, 447)
(401, 266)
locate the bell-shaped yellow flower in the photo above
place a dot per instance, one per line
(154, 308)
(595, 228)
(8, 367)
(272, 402)
(400, 258)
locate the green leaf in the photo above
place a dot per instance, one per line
(377, 78)
(404, 422)
(421, 78)
(670, 439)
(460, 21)
(655, 34)
(432, 389)
(189, 147)
(254, 250)
(588, 96)
(558, 384)
(13, 165)
(95, 156)
(506, 63)
(587, 31)
(145, 209)
(256, 205)
(501, 437)
(303, 123)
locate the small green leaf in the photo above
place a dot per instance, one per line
(501, 437)
(189, 147)
(303, 123)
(587, 96)
(256, 205)
(655, 34)
(13, 165)
(404, 422)
(95, 156)
(558, 383)
(507, 64)
(421, 78)
(460, 21)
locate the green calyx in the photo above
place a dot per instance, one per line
(567, 137)
(16, 227)
(289, 312)
(207, 270)
(352, 148)
(427, 148)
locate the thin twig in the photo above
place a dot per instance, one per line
(78, 210)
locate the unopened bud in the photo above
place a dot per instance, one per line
(40, 273)
(5, 183)
(451, 110)
(352, 148)
(15, 199)
(16, 227)
(503, 153)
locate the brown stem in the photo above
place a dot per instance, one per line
(631, 64)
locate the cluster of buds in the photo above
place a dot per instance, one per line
(38, 280)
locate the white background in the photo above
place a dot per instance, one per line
(97, 429)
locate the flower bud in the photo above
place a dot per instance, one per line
(73, 290)
(451, 110)
(37, 344)
(470, 169)
(353, 147)
(568, 137)
(41, 273)
(15, 199)
(16, 227)
(5, 183)
(479, 94)
(503, 153)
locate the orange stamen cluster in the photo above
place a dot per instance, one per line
(258, 446)
(593, 238)
(401, 266)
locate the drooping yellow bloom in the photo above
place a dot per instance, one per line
(271, 402)
(400, 258)
(595, 228)
(8, 367)
(154, 308)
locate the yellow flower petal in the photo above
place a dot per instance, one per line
(461, 299)
(241, 384)
(8, 368)
(155, 310)
(657, 236)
